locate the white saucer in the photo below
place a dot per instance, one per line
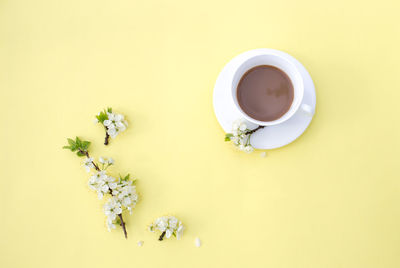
(272, 136)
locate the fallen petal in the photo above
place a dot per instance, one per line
(197, 242)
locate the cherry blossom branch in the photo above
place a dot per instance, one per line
(113, 123)
(241, 135)
(119, 215)
(86, 153)
(168, 226)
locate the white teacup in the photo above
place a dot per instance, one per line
(287, 67)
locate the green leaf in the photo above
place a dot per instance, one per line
(228, 136)
(71, 142)
(80, 154)
(77, 145)
(109, 109)
(85, 145)
(102, 116)
(78, 142)
(126, 178)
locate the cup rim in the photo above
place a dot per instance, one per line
(292, 110)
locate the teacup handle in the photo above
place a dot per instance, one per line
(307, 109)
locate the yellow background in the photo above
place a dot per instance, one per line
(330, 199)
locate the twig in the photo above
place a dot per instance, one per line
(123, 225)
(107, 137)
(251, 132)
(87, 155)
(162, 236)
(254, 130)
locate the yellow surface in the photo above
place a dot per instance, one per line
(330, 199)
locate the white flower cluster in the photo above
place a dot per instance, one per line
(123, 193)
(112, 208)
(88, 163)
(105, 161)
(102, 183)
(115, 124)
(240, 137)
(124, 196)
(168, 225)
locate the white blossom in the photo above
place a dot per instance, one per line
(115, 124)
(240, 137)
(248, 149)
(88, 164)
(102, 183)
(112, 132)
(242, 126)
(112, 208)
(110, 225)
(179, 231)
(235, 125)
(106, 161)
(168, 225)
(118, 117)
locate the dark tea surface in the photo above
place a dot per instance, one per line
(265, 93)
